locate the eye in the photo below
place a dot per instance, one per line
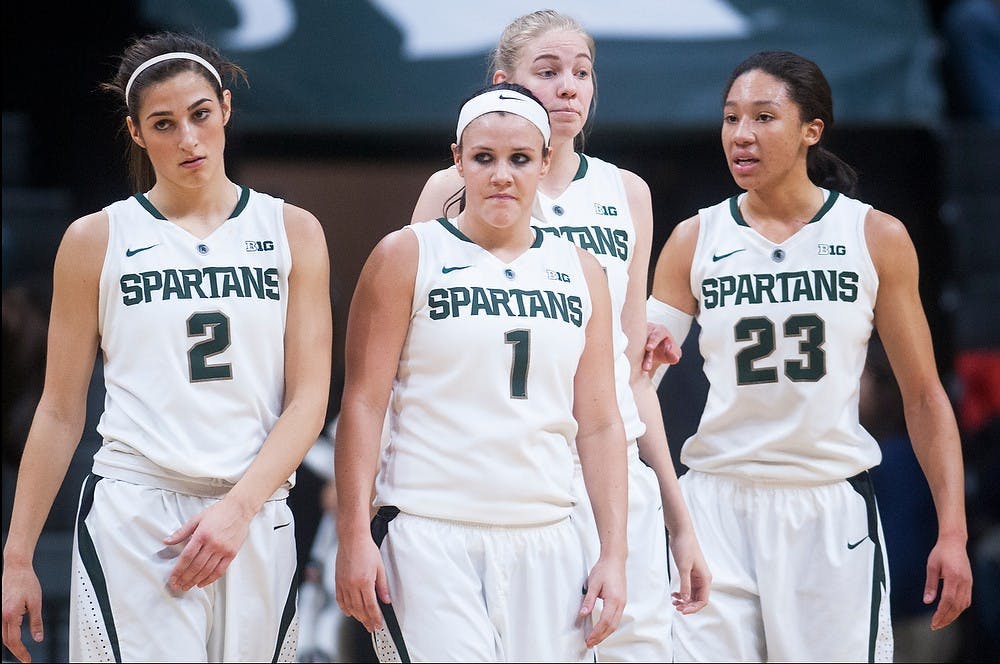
(729, 118)
(520, 159)
(161, 125)
(202, 114)
(482, 157)
(765, 117)
(546, 73)
(583, 74)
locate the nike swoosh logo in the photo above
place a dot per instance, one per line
(446, 270)
(512, 98)
(132, 252)
(716, 257)
(283, 525)
(855, 545)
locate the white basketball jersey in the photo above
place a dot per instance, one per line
(593, 214)
(784, 334)
(482, 405)
(192, 332)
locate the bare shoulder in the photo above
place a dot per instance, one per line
(440, 187)
(398, 249)
(86, 239)
(683, 239)
(634, 184)
(591, 266)
(302, 225)
(887, 239)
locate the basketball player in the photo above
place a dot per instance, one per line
(494, 340)
(607, 211)
(787, 281)
(209, 303)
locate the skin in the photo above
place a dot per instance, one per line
(558, 69)
(501, 161)
(181, 126)
(765, 141)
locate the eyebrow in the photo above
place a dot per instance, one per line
(155, 114)
(581, 54)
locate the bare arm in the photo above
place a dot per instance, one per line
(59, 418)
(376, 329)
(217, 534)
(653, 446)
(601, 444)
(439, 188)
(930, 420)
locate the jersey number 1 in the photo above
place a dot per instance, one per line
(520, 340)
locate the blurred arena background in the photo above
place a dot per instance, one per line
(351, 106)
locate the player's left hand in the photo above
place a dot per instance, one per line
(214, 538)
(948, 565)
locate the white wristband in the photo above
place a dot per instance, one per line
(677, 323)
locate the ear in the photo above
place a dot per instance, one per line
(456, 155)
(813, 131)
(499, 76)
(227, 106)
(546, 161)
(134, 132)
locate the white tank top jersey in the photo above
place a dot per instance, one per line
(481, 420)
(192, 332)
(784, 334)
(593, 213)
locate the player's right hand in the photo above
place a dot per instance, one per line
(21, 594)
(660, 348)
(361, 582)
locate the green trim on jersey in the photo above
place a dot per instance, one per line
(581, 171)
(451, 228)
(241, 204)
(734, 209)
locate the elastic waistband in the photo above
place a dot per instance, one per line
(186, 486)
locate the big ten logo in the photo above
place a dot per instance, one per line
(605, 210)
(832, 249)
(557, 276)
(258, 245)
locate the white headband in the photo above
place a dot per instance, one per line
(177, 55)
(508, 101)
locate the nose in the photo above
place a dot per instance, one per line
(188, 139)
(567, 85)
(501, 173)
(742, 132)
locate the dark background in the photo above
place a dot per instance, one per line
(62, 159)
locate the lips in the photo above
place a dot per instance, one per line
(193, 163)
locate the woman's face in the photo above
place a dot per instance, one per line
(181, 124)
(501, 159)
(558, 68)
(763, 135)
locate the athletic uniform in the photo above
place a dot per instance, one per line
(593, 213)
(192, 334)
(475, 484)
(778, 486)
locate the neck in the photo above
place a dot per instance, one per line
(214, 200)
(784, 205)
(565, 163)
(506, 242)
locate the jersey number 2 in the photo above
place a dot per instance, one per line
(214, 325)
(761, 329)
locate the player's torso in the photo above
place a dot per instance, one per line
(593, 213)
(192, 331)
(784, 333)
(483, 399)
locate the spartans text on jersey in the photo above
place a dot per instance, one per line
(201, 283)
(457, 301)
(767, 288)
